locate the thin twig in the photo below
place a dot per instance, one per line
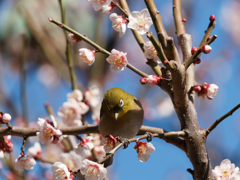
(195, 55)
(68, 50)
(120, 8)
(210, 128)
(161, 135)
(99, 48)
(23, 79)
(160, 52)
(23, 145)
(49, 109)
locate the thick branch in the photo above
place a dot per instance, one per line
(157, 21)
(214, 125)
(99, 48)
(177, 14)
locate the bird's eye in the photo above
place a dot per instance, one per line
(121, 103)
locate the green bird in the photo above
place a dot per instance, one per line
(121, 114)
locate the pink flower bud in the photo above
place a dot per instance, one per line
(210, 37)
(184, 20)
(74, 38)
(212, 18)
(206, 49)
(194, 50)
(6, 117)
(197, 61)
(153, 80)
(143, 81)
(197, 88)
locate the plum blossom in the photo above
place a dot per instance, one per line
(98, 4)
(76, 94)
(108, 8)
(49, 134)
(212, 90)
(153, 80)
(119, 24)
(74, 38)
(35, 151)
(92, 96)
(70, 113)
(140, 21)
(60, 171)
(87, 55)
(24, 161)
(92, 170)
(226, 171)
(99, 152)
(108, 143)
(150, 52)
(6, 146)
(118, 60)
(50, 120)
(144, 150)
(72, 160)
(84, 147)
(206, 90)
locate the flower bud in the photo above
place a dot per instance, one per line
(153, 80)
(197, 61)
(184, 20)
(197, 88)
(143, 81)
(210, 37)
(6, 117)
(194, 50)
(212, 18)
(206, 49)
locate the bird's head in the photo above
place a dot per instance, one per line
(115, 102)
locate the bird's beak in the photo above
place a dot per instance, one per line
(116, 115)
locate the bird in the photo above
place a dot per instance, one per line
(121, 114)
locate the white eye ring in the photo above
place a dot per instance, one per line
(121, 103)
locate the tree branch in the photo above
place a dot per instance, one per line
(99, 48)
(196, 54)
(177, 14)
(214, 125)
(157, 22)
(68, 50)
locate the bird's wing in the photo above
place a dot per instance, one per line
(101, 110)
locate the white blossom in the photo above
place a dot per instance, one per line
(212, 90)
(150, 52)
(72, 160)
(84, 147)
(24, 161)
(92, 96)
(98, 4)
(70, 113)
(118, 24)
(60, 171)
(118, 60)
(35, 150)
(108, 8)
(76, 94)
(140, 21)
(87, 55)
(144, 150)
(92, 170)
(226, 171)
(108, 143)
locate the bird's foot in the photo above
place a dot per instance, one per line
(123, 140)
(149, 136)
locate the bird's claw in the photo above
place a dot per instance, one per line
(149, 136)
(123, 140)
